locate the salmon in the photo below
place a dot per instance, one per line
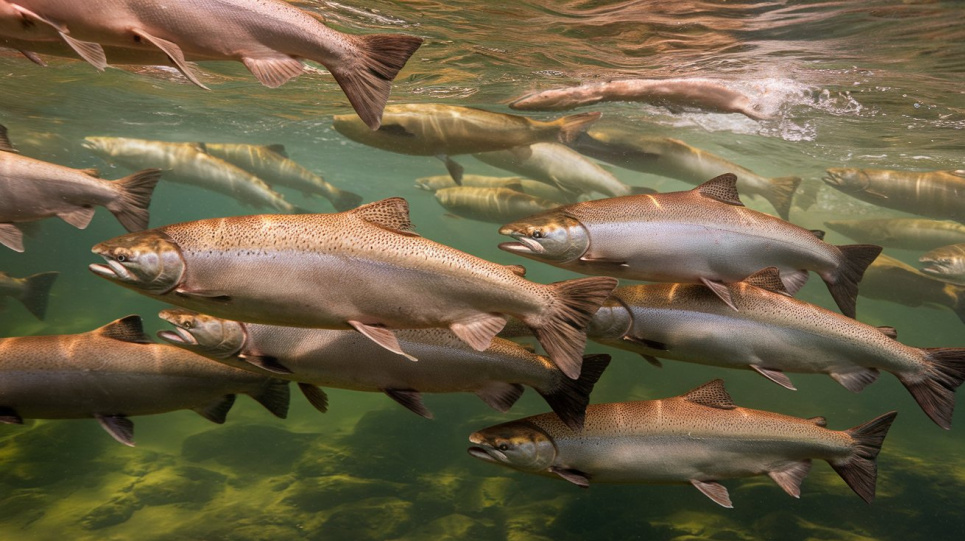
(699, 438)
(705, 235)
(524, 185)
(115, 372)
(32, 291)
(938, 195)
(347, 360)
(362, 269)
(889, 279)
(269, 37)
(901, 233)
(946, 263)
(494, 205)
(32, 190)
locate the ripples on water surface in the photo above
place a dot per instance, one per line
(868, 84)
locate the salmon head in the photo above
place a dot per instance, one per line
(550, 236)
(847, 179)
(205, 335)
(148, 261)
(944, 262)
(519, 445)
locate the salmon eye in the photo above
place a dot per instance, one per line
(188, 324)
(121, 258)
(503, 447)
(537, 234)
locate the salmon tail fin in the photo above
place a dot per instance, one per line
(807, 195)
(843, 285)
(275, 396)
(34, 296)
(860, 470)
(135, 196)
(934, 387)
(571, 396)
(572, 126)
(781, 194)
(367, 81)
(343, 200)
(561, 328)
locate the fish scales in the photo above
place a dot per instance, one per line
(933, 194)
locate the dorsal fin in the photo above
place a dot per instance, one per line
(91, 172)
(5, 144)
(391, 213)
(711, 394)
(820, 421)
(518, 270)
(278, 149)
(768, 278)
(890, 332)
(126, 329)
(722, 188)
(819, 233)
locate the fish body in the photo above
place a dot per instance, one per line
(32, 291)
(271, 165)
(559, 166)
(902, 233)
(347, 360)
(188, 163)
(774, 334)
(891, 280)
(704, 235)
(675, 159)
(32, 190)
(360, 269)
(269, 37)
(946, 263)
(115, 372)
(524, 185)
(494, 205)
(934, 194)
(700, 438)
(703, 94)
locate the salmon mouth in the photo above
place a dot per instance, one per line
(178, 336)
(113, 270)
(523, 246)
(483, 454)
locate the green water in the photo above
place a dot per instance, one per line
(866, 84)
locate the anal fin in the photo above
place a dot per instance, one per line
(273, 70)
(479, 331)
(790, 478)
(381, 336)
(79, 218)
(500, 396)
(174, 53)
(776, 376)
(856, 378)
(217, 411)
(119, 427)
(714, 491)
(721, 290)
(315, 396)
(412, 400)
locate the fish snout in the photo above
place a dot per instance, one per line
(112, 270)
(525, 246)
(178, 337)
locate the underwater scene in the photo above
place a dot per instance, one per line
(751, 213)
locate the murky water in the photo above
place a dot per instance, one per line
(864, 84)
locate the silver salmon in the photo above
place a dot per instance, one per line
(188, 163)
(675, 159)
(347, 360)
(934, 194)
(946, 264)
(704, 235)
(426, 129)
(116, 371)
(772, 333)
(32, 190)
(361, 269)
(703, 94)
(272, 164)
(494, 205)
(699, 438)
(524, 185)
(32, 291)
(901, 233)
(891, 280)
(269, 37)
(557, 165)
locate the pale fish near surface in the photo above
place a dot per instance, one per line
(32, 190)
(427, 129)
(493, 205)
(901, 233)
(774, 334)
(115, 372)
(347, 360)
(705, 235)
(934, 194)
(32, 291)
(269, 37)
(675, 94)
(699, 438)
(336, 267)
(675, 159)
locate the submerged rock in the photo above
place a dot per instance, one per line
(450, 528)
(318, 493)
(251, 449)
(114, 512)
(179, 485)
(374, 519)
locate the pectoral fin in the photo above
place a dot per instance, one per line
(205, 294)
(91, 52)
(119, 427)
(79, 218)
(9, 416)
(652, 360)
(721, 290)
(12, 237)
(455, 170)
(266, 363)
(381, 336)
(412, 400)
(576, 477)
(33, 57)
(776, 376)
(652, 344)
(714, 491)
(479, 331)
(790, 478)
(315, 396)
(273, 70)
(174, 53)
(601, 262)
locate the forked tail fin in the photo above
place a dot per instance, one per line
(571, 396)
(843, 284)
(367, 81)
(135, 196)
(35, 294)
(934, 387)
(860, 470)
(573, 125)
(781, 194)
(561, 328)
